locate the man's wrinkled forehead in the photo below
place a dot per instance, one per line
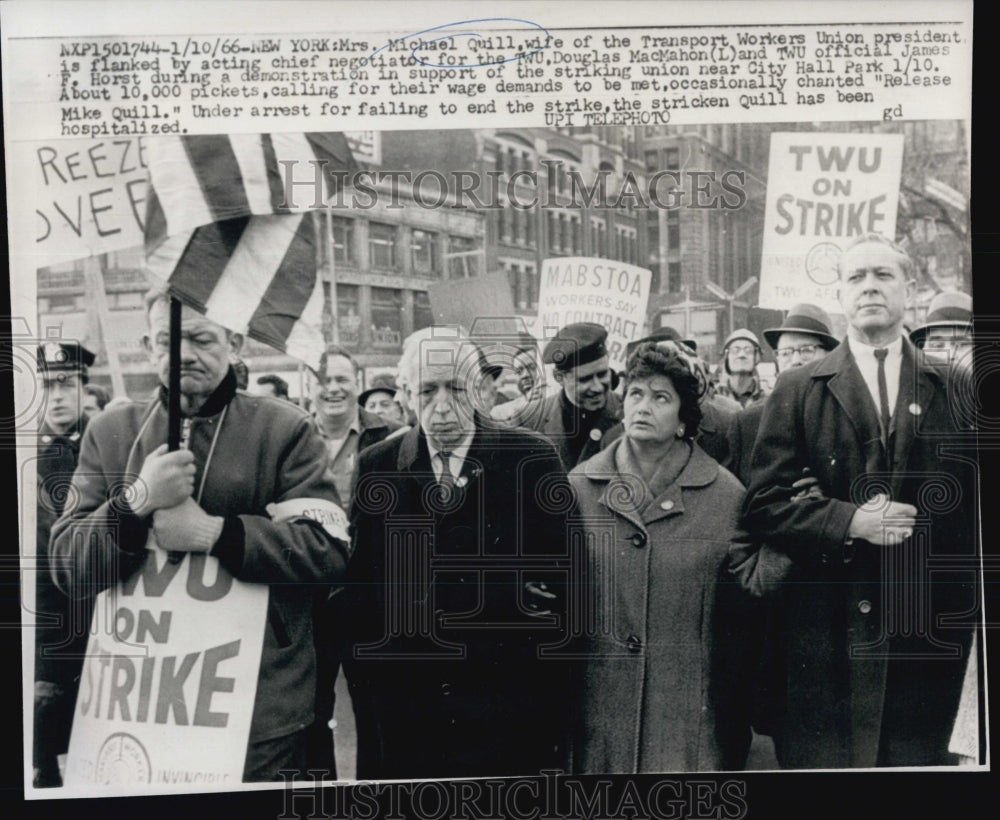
(872, 256)
(191, 320)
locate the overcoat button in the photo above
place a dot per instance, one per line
(864, 607)
(446, 689)
(638, 540)
(634, 643)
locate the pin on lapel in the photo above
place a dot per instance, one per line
(595, 435)
(461, 481)
(915, 409)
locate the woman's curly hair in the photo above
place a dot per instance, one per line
(666, 359)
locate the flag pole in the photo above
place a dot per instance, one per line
(174, 378)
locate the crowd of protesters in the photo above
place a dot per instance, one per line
(629, 572)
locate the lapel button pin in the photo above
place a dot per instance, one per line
(915, 409)
(667, 505)
(595, 435)
(462, 481)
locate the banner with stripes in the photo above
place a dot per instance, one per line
(221, 235)
(202, 179)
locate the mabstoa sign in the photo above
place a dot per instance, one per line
(168, 686)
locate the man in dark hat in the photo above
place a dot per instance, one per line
(578, 416)
(380, 399)
(946, 334)
(270, 384)
(804, 336)
(61, 625)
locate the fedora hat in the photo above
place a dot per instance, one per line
(804, 318)
(947, 309)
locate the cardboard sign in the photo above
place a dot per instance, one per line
(462, 301)
(170, 677)
(580, 289)
(823, 190)
(90, 197)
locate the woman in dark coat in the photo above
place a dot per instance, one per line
(666, 680)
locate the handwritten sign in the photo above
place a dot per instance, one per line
(609, 293)
(822, 191)
(168, 685)
(90, 197)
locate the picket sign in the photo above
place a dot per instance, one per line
(170, 678)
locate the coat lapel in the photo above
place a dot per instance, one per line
(848, 387)
(619, 491)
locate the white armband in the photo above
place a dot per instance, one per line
(323, 512)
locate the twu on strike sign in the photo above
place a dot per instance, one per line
(169, 681)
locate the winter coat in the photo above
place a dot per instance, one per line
(666, 681)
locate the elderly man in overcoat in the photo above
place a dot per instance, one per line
(456, 585)
(880, 598)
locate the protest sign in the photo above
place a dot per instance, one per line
(580, 289)
(462, 301)
(823, 190)
(90, 197)
(168, 684)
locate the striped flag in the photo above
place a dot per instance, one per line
(220, 233)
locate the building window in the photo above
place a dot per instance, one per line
(652, 161)
(387, 319)
(464, 257)
(600, 231)
(348, 316)
(673, 230)
(672, 159)
(343, 240)
(513, 277)
(382, 245)
(674, 276)
(422, 315)
(576, 240)
(530, 229)
(531, 287)
(424, 252)
(126, 300)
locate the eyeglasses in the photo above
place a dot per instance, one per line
(745, 350)
(805, 352)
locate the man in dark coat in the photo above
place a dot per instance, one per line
(250, 488)
(804, 336)
(880, 599)
(577, 417)
(61, 625)
(454, 588)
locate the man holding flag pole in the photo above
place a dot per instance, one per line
(207, 514)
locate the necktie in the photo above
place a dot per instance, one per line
(447, 481)
(883, 395)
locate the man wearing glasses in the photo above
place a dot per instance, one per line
(803, 337)
(740, 355)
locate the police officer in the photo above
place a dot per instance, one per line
(61, 625)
